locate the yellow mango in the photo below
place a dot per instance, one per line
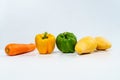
(86, 45)
(102, 43)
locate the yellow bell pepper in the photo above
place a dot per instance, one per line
(45, 43)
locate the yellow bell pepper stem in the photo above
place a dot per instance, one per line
(45, 35)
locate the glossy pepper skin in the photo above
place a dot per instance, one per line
(45, 43)
(66, 42)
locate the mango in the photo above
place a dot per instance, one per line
(86, 45)
(102, 43)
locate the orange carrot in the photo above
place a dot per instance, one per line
(13, 49)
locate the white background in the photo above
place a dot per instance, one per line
(21, 20)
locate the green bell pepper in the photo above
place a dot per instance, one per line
(66, 42)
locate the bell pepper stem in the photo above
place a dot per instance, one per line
(45, 35)
(65, 35)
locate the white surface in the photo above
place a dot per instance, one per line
(21, 20)
(103, 65)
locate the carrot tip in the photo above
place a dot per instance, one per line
(7, 50)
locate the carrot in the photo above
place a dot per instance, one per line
(13, 49)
